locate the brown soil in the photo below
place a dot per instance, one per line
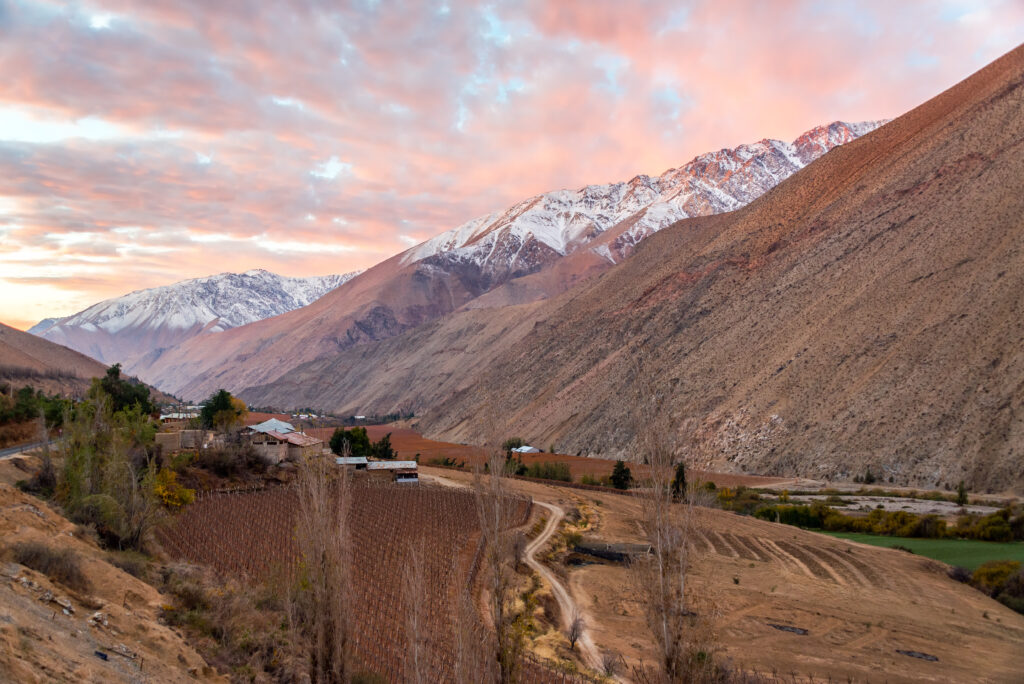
(118, 616)
(860, 605)
(29, 360)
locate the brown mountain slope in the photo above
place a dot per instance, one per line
(866, 312)
(386, 300)
(534, 249)
(29, 360)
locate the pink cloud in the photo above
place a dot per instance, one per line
(437, 116)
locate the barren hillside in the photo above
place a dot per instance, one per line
(866, 312)
(107, 631)
(535, 249)
(29, 360)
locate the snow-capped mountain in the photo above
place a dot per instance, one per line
(557, 238)
(522, 238)
(125, 328)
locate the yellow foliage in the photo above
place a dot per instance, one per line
(169, 490)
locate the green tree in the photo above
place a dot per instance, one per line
(679, 482)
(382, 448)
(357, 439)
(222, 411)
(961, 494)
(108, 470)
(621, 478)
(124, 393)
(511, 443)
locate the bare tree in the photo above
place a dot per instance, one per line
(472, 655)
(518, 548)
(576, 626)
(320, 598)
(610, 663)
(46, 478)
(413, 588)
(495, 507)
(669, 526)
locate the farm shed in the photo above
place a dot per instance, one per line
(271, 446)
(193, 439)
(400, 471)
(274, 447)
(357, 462)
(526, 449)
(300, 444)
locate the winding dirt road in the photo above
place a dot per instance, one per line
(567, 606)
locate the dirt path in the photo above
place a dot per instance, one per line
(566, 604)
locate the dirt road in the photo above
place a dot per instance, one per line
(566, 604)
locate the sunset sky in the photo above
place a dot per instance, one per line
(146, 142)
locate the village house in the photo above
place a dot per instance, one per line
(274, 447)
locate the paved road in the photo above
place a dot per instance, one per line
(15, 450)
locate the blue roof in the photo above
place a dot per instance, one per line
(272, 425)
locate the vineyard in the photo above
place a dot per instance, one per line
(251, 534)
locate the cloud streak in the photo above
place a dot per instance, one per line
(142, 143)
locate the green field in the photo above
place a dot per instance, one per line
(966, 552)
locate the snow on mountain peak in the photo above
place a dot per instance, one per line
(559, 222)
(175, 312)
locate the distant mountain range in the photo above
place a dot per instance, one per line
(534, 250)
(123, 329)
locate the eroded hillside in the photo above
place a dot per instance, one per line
(866, 312)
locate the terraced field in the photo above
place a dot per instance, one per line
(771, 598)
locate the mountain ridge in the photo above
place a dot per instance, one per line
(549, 238)
(865, 313)
(123, 329)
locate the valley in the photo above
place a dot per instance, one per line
(752, 418)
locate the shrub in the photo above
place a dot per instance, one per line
(132, 562)
(104, 513)
(1012, 592)
(959, 573)
(169, 490)
(446, 461)
(60, 565)
(549, 471)
(993, 576)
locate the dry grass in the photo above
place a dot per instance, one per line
(60, 565)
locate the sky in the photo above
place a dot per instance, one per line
(142, 143)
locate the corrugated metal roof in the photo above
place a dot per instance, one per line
(302, 439)
(273, 425)
(297, 438)
(391, 465)
(350, 460)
